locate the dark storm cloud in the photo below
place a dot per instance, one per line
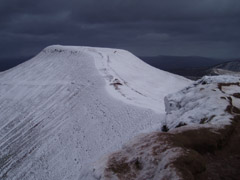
(140, 10)
(145, 27)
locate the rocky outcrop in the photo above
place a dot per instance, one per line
(194, 148)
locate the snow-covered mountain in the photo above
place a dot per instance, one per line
(68, 106)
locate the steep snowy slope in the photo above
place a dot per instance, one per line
(68, 106)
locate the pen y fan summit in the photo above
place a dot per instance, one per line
(68, 106)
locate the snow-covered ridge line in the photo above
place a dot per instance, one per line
(128, 78)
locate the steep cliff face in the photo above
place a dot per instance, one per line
(68, 106)
(202, 141)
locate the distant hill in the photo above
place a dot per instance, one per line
(181, 62)
(193, 67)
(230, 66)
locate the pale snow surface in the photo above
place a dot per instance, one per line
(202, 102)
(63, 109)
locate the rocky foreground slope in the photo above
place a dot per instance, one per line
(202, 141)
(68, 106)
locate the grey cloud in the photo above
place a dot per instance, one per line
(146, 27)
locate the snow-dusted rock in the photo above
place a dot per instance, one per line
(204, 102)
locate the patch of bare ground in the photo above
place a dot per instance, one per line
(219, 153)
(224, 162)
(205, 154)
(116, 83)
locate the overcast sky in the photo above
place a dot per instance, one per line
(208, 28)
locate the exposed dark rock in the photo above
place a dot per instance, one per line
(165, 128)
(236, 95)
(181, 124)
